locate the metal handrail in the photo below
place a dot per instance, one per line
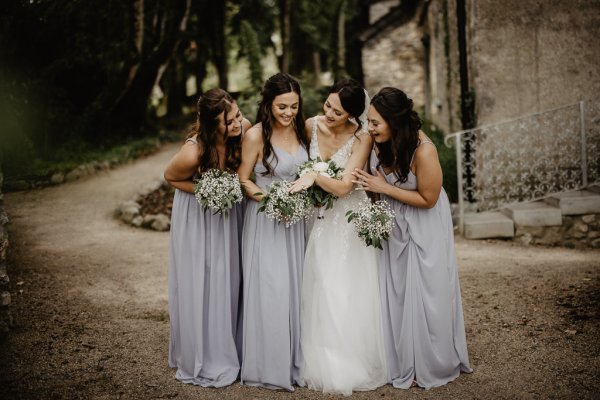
(506, 121)
(457, 136)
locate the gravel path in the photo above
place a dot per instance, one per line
(90, 306)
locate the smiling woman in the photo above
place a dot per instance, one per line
(272, 254)
(204, 258)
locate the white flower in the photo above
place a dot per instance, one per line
(304, 171)
(373, 222)
(218, 190)
(281, 205)
(321, 167)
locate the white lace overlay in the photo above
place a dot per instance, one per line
(342, 339)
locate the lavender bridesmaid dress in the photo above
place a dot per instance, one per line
(204, 292)
(272, 257)
(422, 312)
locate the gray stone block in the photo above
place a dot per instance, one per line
(576, 203)
(537, 213)
(594, 188)
(490, 224)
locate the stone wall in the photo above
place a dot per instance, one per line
(442, 78)
(5, 316)
(523, 57)
(396, 59)
(527, 56)
(576, 231)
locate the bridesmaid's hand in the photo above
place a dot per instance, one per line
(371, 183)
(304, 182)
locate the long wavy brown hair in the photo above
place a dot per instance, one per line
(396, 108)
(276, 85)
(211, 105)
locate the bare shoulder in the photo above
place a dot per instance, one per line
(246, 124)
(254, 135)
(190, 152)
(426, 150)
(363, 139)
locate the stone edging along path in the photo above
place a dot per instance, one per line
(131, 212)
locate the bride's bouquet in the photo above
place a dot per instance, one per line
(218, 190)
(316, 194)
(372, 221)
(283, 206)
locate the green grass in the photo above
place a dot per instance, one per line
(22, 163)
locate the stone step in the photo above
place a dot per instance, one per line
(594, 187)
(577, 202)
(489, 224)
(537, 213)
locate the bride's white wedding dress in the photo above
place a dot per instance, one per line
(342, 337)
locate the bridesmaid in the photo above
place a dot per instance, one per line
(423, 323)
(272, 255)
(204, 259)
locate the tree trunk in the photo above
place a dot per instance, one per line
(130, 112)
(340, 64)
(218, 41)
(284, 19)
(354, 46)
(316, 57)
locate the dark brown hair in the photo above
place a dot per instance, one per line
(352, 96)
(276, 85)
(211, 105)
(396, 108)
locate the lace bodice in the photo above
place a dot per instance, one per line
(341, 156)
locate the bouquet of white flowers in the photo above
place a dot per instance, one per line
(283, 206)
(316, 194)
(372, 221)
(218, 190)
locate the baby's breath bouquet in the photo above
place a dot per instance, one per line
(218, 190)
(283, 206)
(372, 221)
(316, 194)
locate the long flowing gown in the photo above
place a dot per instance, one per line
(272, 257)
(342, 337)
(204, 292)
(420, 293)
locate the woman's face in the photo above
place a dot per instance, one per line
(378, 128)
(233, 121)
(335, 114)
(285, 108)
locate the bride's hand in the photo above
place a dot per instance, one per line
(304, 182)
(372, 183)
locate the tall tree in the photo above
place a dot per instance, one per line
(285, 11)
(168, 20)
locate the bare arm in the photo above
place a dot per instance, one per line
(252, 145)
(429, 180)
(183, 165)
(360, 153)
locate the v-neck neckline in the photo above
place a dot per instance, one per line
(317, 142)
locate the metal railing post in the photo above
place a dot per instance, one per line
(584, 167)
(459, 176)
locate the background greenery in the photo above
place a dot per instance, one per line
(79, 79)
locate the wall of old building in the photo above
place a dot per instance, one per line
(527, 56)
(523, 57)
(394, 57)
(442, 77)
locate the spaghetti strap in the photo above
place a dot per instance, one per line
(415, 152)
(191, 140)
(314, 127)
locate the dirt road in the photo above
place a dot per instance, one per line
(90, 305)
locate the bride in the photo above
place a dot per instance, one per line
(342, 338)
